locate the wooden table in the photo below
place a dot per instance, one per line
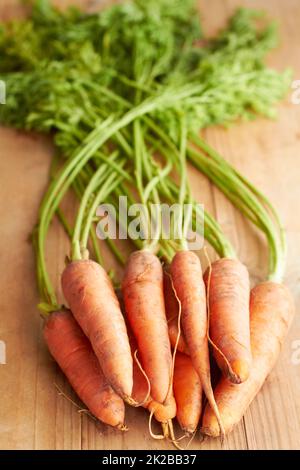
(32, 413)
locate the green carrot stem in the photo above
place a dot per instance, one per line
(183, 188)
(63, 220)
(111, 183)
(78, 187)
(94, 182)
(92, 143)
(212, 230)
(223, 248)
(235, 188)
(96, 248)
(264, 200)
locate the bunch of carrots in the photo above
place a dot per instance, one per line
(157, 354)
(168, 308)
(120, 126)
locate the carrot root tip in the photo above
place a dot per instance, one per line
(165, 429)
(211, 431)
(122, 427)
(154, 436)
(188, 432)
(239, 372)
(130, 401)
(173, 439)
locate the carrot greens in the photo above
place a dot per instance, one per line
(125, 92)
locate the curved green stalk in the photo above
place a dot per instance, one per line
(183, 188)
(255, 213)
(111, 183)
(242, 197)
(221, 244)
(97, 179)
(212, 230)
(92, 143)
(263, 199)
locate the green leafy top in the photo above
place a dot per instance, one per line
(92, 78)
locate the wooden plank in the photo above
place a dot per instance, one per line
(33, 414)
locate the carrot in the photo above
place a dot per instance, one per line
(142, 289)
(172, 309)
(271, 313)
(188, 393)
(90, 295)
(188, 282)
(140, 391)
(173, 333)
(163, 413)
(140, 387)
(228, 296)
(73, 353)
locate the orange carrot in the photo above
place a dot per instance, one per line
(173, 334)
(188, 393)
(271, 312)
(229, 326)
(144, 304)
(163, 413)
(90, 295)
(140, 387)
(73, 353)
(172, 309)
(190, 289)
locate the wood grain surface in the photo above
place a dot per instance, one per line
(33, 415)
